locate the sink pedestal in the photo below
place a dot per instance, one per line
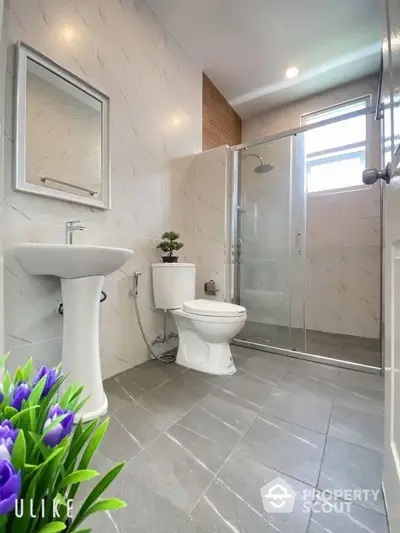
(81, 347)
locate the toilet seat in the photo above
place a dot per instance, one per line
(209, 308)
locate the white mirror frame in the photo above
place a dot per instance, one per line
(23, 53)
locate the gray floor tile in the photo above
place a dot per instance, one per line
(169, 401)
(221, 511)
(316, 370)
(142, 425)
(117, 443)
(151, 374)
(357, 427)
(207, 424)
(208, 452)
(128, 386)
(268, 416)
(193, 380)
(349, 379)
(242, 355)
(304, 409)
(251, 388)
(147, 511)
(290, 449)
(227, 396)
(302, 383)
(337, 518)
(172, 472)
(347, 466)
(270, 368)
(100, 523)
(116, 396)
(246, 478)
(371, 401)
(224, 407)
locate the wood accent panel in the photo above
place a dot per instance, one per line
(221, 123)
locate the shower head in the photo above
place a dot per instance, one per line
(263, 168)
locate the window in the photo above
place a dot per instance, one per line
(335, 153)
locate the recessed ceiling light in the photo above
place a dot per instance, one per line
(292, 72)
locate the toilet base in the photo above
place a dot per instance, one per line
(204, 342)
(209, 358)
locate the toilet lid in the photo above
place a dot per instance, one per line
(210, 308)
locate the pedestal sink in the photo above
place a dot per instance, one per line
(82, 270)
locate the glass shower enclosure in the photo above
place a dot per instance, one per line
(294, 271)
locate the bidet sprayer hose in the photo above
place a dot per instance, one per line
(166, 357)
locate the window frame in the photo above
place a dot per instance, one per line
(330, 153)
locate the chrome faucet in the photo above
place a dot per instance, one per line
(70, 227)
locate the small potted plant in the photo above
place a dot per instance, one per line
(169, 244)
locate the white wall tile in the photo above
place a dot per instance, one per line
(120, 47)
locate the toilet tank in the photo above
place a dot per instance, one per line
(173, 284)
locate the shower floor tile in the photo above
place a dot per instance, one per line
(343, 347)
(200, 448)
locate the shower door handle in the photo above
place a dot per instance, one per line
(239, 246)
(298, 243)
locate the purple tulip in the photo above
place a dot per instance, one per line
(8, 436)
(10, 486)
(62, 429)
(22, 392)
(51, 379)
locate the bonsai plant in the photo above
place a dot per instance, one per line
(44, 457)
(169, 244)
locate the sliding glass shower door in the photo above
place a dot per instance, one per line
(308, 240)
(269, 273)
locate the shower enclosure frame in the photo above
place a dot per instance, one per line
(234, 244)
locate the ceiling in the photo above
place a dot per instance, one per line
(245, 46)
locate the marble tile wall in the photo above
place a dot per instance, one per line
(341, 275)
(202, 213)
(120, 47)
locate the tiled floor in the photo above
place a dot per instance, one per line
(344, 347)
(199, 447)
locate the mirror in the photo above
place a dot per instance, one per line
(62, 123)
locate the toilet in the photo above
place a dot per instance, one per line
(205, 327)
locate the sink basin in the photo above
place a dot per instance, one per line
(70, 260)
(82, 270)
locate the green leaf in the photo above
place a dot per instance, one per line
(6, 383)
(18, 457)
(4, 359)
(84, 531)
(60, 500)
(78, 407)
(89, 452)
(97, 491)
(53, 527)
(37, 390)
(47, 401)
(18, 415)
(78, 476)
(9, 412)
(19, 376)
(27, 370)
(108, 504)
(78, 443)
(66, 397)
